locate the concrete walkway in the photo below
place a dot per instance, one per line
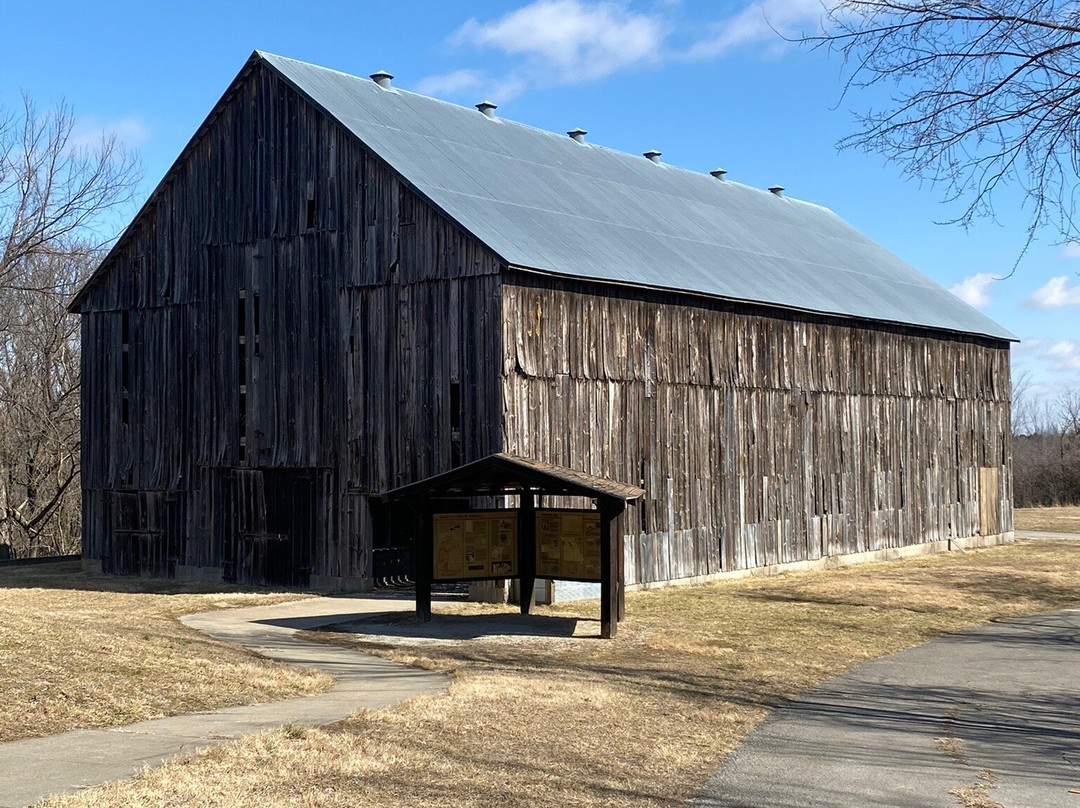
(35, 768)
(908, 729)
(1040, 534)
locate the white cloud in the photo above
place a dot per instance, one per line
(763, 21)
(579, 41)
(555, 42)
(561, 42)
(974, 289)
(1049, 365)
(1028, 346)
(481, 85)
(1071, 250)
(1054, 294)
(1064, 356)
(88, 132)
(456, 81)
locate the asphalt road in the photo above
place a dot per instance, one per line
(996, 708)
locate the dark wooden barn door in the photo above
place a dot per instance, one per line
(147, 534)
(276, 521)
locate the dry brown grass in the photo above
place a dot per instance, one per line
(641, 721)
(1049, 520)
(94, 651)
(978, 794)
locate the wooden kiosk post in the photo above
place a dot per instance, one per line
(611, 551)
(425, 559)
(527, 552)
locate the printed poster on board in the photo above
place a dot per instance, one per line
(568, 544)
(475, 544)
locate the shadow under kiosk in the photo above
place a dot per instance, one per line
(520, 543)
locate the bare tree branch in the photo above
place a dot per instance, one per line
(983, 94)
(53, 192)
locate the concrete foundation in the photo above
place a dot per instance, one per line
(488, 591)
(335, 583)
(91, 566)
(190, 574)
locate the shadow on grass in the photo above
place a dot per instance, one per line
(1028, 731)
(628, 666)
(646, 670)
(985, 583)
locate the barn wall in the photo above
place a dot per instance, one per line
(285, 320)
(340, 337)
(760, 438)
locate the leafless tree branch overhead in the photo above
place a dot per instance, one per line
(979, 95)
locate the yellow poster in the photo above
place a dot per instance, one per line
(504, 548)
(449, 547)
(568, 544)
(591, 548)
(477, 544)
(548, 544)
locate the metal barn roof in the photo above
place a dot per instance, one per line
(547, 202)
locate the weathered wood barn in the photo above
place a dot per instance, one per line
(340, 288)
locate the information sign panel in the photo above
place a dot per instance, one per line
(568, 545)
(475, 544)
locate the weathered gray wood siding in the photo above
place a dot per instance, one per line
(760, 438)
(278, 243)
(287, 322)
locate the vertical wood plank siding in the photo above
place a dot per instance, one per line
(361, 305)
(286, 321)
(760, 438)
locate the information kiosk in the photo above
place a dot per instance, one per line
(521, 543)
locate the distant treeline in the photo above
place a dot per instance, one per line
(1046, 447)
(1046, 471)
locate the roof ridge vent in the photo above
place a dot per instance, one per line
(577, 135)
(487, 108)
(652, 154)
(383, 79)
(718, 173)
(777, 190)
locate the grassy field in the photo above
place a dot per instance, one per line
(82, 651)
(1050, 520)
(641, 721)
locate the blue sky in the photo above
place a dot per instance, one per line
(710, 84)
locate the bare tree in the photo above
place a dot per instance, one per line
(1024, 405)
(1046, 447)
(1068, 411)
(982, 94)
(39, 414)
(55, 192)
(55, 196)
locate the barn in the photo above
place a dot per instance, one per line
(341, 288)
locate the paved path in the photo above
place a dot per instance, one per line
(35, 768)
(1006, 695)
(1040, 534)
